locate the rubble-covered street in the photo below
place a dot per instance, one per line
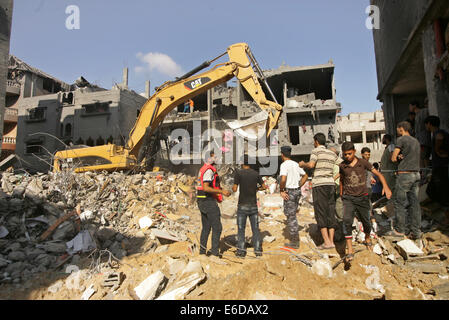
(116, 236)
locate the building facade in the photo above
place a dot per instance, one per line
(307, 95)
(411, 48)
(85, 116)
(364, 129)
(23, 81)
(6, 7)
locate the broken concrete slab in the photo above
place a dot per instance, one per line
(53, 247)
(429, 268)
(322, 268)
(441, 291)
(377, 249)
(392, 258)
(83, 242)
(148, 288)
(182, 287)
(164, 235)
(175, 265)
(407, 248)
(88, 293)
(269, 239)
(272, 201)
(193, 266)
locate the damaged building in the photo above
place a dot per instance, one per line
(6, 8)
(412, 60)
(364, 129)
(81, 115)
(307, 95)
(23, 81)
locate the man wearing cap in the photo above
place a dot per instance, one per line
(209, 193)
(292, 179)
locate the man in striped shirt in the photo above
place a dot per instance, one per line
(322, 160)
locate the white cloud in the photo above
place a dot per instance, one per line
(160, 62)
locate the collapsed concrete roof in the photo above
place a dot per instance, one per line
(16, 63)
(316, 79)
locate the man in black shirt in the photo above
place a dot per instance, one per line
(406, 154)
(249, 182)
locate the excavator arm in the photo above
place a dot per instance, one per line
(168, 97)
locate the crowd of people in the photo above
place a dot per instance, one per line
(344, 187)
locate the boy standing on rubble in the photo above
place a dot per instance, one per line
(354, 192)
(249, 182)
(209, 193)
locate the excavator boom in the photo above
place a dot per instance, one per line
(165, 99)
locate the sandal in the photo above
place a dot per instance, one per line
(368, 244)
(395, 234)
(323, 247)
(349, 258)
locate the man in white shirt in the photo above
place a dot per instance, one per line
(292, 179)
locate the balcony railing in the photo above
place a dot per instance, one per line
(11, 83)
(11, 112)
(12, 87)
(9, 140)
(11, 115)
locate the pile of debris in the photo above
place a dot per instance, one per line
(46, 220)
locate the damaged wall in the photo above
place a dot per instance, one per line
(93, 117)
(5, 34)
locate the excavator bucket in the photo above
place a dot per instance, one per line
(252, 129)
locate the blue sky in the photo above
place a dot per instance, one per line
(159, 39)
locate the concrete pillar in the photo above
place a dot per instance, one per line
(389, 115)
(378, 141)
(437, 90)
(239, 101)
(364, 135)
(285, 94)
(209, 110)
(147, 88)
(125, 77)
(33, 84)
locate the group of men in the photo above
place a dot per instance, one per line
(343, 183)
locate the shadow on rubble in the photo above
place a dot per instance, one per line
(29, 266)
(286, 232)
(229, 243)
(317, 238)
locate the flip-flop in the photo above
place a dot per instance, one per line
(369, 245)
(349, 258)
(323, 247)
(394, 234)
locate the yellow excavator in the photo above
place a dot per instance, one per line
(167, 97)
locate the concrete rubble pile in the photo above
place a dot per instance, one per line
(49, 219)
